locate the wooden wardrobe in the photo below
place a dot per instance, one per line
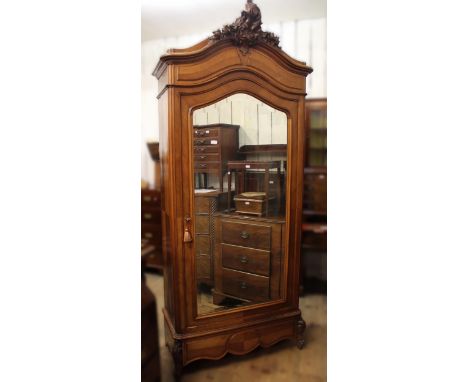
(231, 279)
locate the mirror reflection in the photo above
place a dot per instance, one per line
(240, 166)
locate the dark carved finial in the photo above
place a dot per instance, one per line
(246, 31)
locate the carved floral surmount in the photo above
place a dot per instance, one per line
(246, 31)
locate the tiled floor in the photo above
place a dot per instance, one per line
(282, 362)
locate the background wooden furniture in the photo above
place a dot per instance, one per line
(316, 125)
(315, 194)
(214, 146)
(150, 359)
(151, 226)
(151, 214)
(193, 78)
(205, 206)
(314, 238)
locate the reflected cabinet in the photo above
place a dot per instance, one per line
(232, 139)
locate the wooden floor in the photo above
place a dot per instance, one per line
(282, 362)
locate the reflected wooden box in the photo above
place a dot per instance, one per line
(251, 203)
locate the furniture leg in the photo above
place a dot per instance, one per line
(177, 357)
(266, 186)
(229, 191)
(242, 182)
(278, 189)
(300, 328)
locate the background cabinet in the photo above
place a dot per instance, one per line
(151, 226)
(150, 358)
(316, 125)
(314, 227)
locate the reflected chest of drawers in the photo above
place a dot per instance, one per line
(248, 258)
(151, 226)
(205, 206)
(213, 147)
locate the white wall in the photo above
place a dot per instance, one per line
(305, 40)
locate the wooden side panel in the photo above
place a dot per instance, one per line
(166, 200)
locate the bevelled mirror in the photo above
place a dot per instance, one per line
(239, 169)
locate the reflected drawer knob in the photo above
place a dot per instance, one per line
(203, 165)
(147, 198)
(243, 285)
(202, 156)
(149, 235)
(147, 216)
(243, 260)
(244, 235)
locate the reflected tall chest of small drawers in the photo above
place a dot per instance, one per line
(213, 146)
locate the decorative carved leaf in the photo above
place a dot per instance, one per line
(246, 31)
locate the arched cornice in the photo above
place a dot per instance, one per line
(208, 47)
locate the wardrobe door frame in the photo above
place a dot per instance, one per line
(200, 96)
